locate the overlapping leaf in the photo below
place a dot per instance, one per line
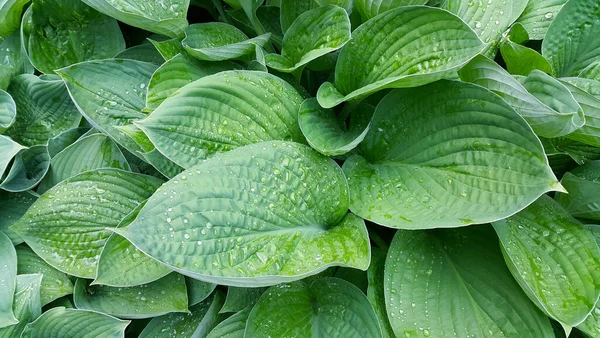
(26, 304)
(13, 207)
(538, 15)
(29, 167)
(8, 111)
(583, 186)
(10, 11)
(13, 60)
(8, 281)
(371, 8)
(232, 327)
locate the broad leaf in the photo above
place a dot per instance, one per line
(590, 132)
(292, 9)
(572, 43)
(376, 292)
(145, 52)
(13, 207)
(59, 322)
(59, 142)
(554, 259)
(8, 111)
(327, 307)
(583, 186)
(44, 109)
(591, 325)
(223, 111)
(538, 15)
(168, 48)
(240, 298)
(54, 284)
(255, 216)
(590, 86)
(8, 281)
(166, 17)
(371, 8)
(13, 60)
(519, 59)
(10, 12)
(198, 290)
(232, 327)
(592, 71)
(389, 51)
(9, 149)
(29, 168)
(580, 152)
(60, 33)
(313, 34)
(26, 304)
(445, 155)
(68, 225)
(454, 282)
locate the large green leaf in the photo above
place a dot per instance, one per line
(59, 142)
(68, 225)
(538, 15)
(61, 322)
(88, 153)
(549, 108)
(29, 168)
(26, 304)
(13, 207)
(10, 12)
(232, 327)
(168, 48)
(166, 17)
(255, 216)
(9, 149)
(371, 8)
(327, 307)
(520, 59)
(580, 152)
(44, 109)
(13, 60)
(313, 34)
(223, 111)
(592, 71)
(590, 132)
(591, 325)
(404, 47)
(202, 318)
(145, 52)
(291, 9)
(240, 298)
(572, 43)
(454, 283)
(218, 41)
(376, 292)
(445, 155)
(54, 285)
(8, 110)
(554, 259)
(590, 86)
(60, 33)
(583, 186)
(8, 281)
(198, 290)
(160, 297)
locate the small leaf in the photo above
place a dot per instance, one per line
(8, 271)
(583, 184)
(29, 168)
(9, 149)
(10, 12)
(232, 327)
(580, 152)
(592, 71)
(26, 304)
(589, 133)
(59, 142)
(8, 111)
(327, 307)
(389, 51)
(519, 59)
(13, 207)
(144, 52)
(240, 298)
(168, 48)
(538, 15)
(198, 290)
(371, 8)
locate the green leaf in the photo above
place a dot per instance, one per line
(240, 298)
(327, 134)
(88, 153)
(259, 215)
(157, 298)
(198, 290)
(546, 104)
(8, 111)
(454, 282)
(591, 325)
(26, 304)
(178, 72)
(13, 207)
(8, 271)
(327, 307)
(572, 43)
(44, 109)
(145, 52)
(68, 225)
(163, 17)
(29, 168)
(9, 149)
(59, 142)
(371, 8)
(554, 259)
(538, 15)
(591, 87)
(445, 155)
(223, 111)
(292, 9)
(60, 33)
(376, 292)
(10, 11)
(202, 318)
(580, 152)
(218, 41)
(232, 327)
(590, 132)
(583, 198)
(404, 47)
(54, 284)
(519, 59)
(59, 322)
(592, 71)
(313, 34)
(13, 60)
(168, 48)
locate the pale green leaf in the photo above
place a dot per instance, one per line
(8, 273)
(591, 325)
(8, 110)
(538, 16)
(232, 327)
(198, 290)
(13, 207)
(591, 72)
(10, 11)
(590, 86)
(29, 168)
(168, 48)
(9, 149)
(376, 292)
(590, 132)
(583, 186)
(389, 51)
(371, 8)
(240, 298)
(26, 304)
(67, 225)
(454, 283)
(59, 142)
(255, 216)
(144, 52)
(13, 60)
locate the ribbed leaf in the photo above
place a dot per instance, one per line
(29, 168)
(13, 207)
(291, 9)
(538, 16)
(144, 52)
(13, 60)
(232, 327)
(8, 110)
(590, 86)
(580, 152)
(26, 304)
(59, 142)
(255, 216)
(371, 8)
(10, 12)
(9, 149)
(240, 298)
(591, 325)
(583, 185)
(454, 283)
(217, 41)
(404, 47)
(67, 226)
(168, 48)
(8, 281)
(445, 155)
(592, 71)
(327, 307)
(376, 292)
(198, 290)
(590, 132)
(519, 59)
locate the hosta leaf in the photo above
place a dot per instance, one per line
(454, 283)
(13, 207)
(54, 285)
(88, 153)
(590, 132)
(445, 155)
(67, 225)
(292, 9)
(121, 264)
(178, 72)
(61, 322)
(269, 18)
(572, 43)
(168, 48)
(198, 290)
(223, 111)
(519, 59)
(371, 8)
(8, 273)
(232, 327)
(327, 307)
(389, 51)
(580, 152)
(217, 41)
(591, 325)
(376, 292)
(9, 149)
(592, 71)
(202, 318)
(160, 297)
(10, 11)
(255, 216)
(325, 131)
(314, 33)
(13, 60)
(145, 52)
(590, 86)
(29, 168)
(166, 17)
(44, 109)
(8, 111)
(583, 185)
(554, 259)
(240, 298)
(538, 16)
(560, 116)
(26, 304)
(59, 142)
(63, 32)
